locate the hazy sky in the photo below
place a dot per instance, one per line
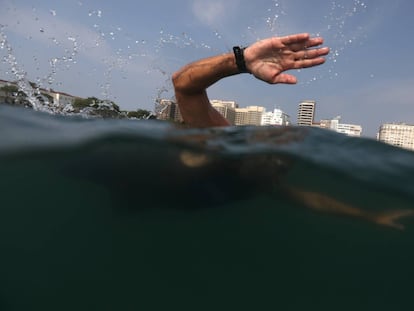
(126, 51)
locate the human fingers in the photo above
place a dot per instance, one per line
(312, 42)
(305, 63)
(294, 39)
(311, 53)
(284, 78)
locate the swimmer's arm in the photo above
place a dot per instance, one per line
(267, 60)
(190, 84)
(323, 203)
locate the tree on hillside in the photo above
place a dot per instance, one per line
(139, 114)
(12, 95)
(97, 107)
(10, 89)
(81, 103)
(94, 102)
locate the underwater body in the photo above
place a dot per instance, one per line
(146, 215)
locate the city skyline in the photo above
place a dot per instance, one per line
(223, 105)
(396, 134)
(128, 52)
(236, 115)
(260, 116)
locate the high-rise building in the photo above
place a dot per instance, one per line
(226, 108)
(347, 129)
(167, 109)
(400, 135)
(306, 113)
(277, 117)
(251, 115)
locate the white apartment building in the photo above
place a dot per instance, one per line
(226, 108)
(347, 129)
(251, 115)
(306, 113)
(227, 103)
(61, 99)
(167, 109)
(275, 117)
(398, 134)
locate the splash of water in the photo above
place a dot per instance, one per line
(34, 93)
(337, 28)
(181, 41)
(275, 12)
(67, 61)
(341, 35)
(34, 96)
(337, 20)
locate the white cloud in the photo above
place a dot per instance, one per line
(37, 38)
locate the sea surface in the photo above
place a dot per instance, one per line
(146, 215)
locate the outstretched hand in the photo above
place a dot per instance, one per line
(268, 59)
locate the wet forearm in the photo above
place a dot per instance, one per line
(198, 76)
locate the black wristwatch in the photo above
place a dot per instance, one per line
(239, 56)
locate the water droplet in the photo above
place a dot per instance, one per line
(53, 12)
(41, 30)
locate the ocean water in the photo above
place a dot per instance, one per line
(145, 215)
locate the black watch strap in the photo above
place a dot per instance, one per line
(239, 56)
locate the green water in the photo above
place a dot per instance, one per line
(92, 221)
